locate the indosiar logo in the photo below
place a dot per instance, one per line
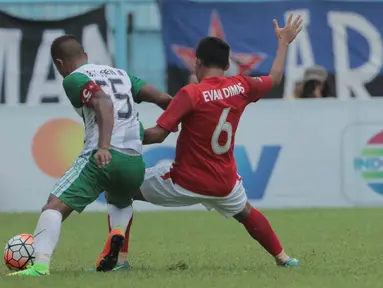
(370, 163)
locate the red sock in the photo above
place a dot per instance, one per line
(109, 227)
(260, 229)
(125, 248)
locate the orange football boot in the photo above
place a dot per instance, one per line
(109, 256)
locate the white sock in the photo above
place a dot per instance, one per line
(119, 218)
(47, 235)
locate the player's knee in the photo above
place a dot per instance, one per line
(241, 216)
(120, 202)
(55, 203)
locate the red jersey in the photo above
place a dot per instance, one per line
(209, 112)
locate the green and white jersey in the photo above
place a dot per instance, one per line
(123, 90)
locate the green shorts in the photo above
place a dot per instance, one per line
(84, 182)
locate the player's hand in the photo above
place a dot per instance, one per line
(103, 157)
(287, 34)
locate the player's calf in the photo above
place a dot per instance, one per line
(48, 228)
(260, 229)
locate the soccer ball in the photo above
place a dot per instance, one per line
(19, 252)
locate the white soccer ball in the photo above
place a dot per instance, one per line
(19, 252)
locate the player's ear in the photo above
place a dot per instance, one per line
(86, 56)
(197, 63)
(59, 63)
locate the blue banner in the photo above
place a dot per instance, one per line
(344, 37)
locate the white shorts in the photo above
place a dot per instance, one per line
(165, 193)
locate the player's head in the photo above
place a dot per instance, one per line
(67, 54)
(212, 53)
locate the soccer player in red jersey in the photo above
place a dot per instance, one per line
(204, 170)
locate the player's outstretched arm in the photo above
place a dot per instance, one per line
(156, 134)
(142, 91)
(285, 36)
(150, 94)
(81, 90)
(103, 107)
(168, 122)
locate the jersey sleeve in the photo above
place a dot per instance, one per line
(137, 84)
(257, 87)
(79, 88)
(179, 107)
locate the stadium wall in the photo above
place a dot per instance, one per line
(290, 154)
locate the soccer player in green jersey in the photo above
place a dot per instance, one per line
(111, 159)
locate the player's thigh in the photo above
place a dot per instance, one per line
(230, 205)
(81, 184)
(126, 174)
(158, 188)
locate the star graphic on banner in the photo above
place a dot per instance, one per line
(240, 63)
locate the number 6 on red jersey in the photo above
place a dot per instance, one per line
(222, 126)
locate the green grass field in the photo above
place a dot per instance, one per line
(337, 248)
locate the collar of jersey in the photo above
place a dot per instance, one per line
(213, 78)
(82, 64)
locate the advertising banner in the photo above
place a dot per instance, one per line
(310, 153)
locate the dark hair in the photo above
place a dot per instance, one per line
(66, 47)
(310, 86)
(213, 52)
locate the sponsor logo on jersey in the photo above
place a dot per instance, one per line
(86, 95)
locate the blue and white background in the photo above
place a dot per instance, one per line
(290, 154)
